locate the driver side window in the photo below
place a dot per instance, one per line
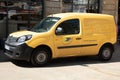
(68, 27)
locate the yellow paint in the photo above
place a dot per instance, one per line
(94, 29)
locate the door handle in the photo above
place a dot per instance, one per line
(67, 39)
(78, 38)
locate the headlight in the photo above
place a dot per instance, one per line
(24, 38)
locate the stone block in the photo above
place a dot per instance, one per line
(109, 7)
(109, 2)
(109, 12)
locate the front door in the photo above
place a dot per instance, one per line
(67, 38)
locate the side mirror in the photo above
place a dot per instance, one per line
(59, 31)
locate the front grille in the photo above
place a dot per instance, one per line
(11, 39)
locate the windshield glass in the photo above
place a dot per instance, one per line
(45, 24)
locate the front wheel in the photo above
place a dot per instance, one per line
(105, 53)
(40, 57)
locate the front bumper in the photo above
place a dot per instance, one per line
(18, 52)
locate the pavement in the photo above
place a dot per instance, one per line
(79, 68)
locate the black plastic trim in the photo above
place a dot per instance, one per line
(23, 50)
(74, 46)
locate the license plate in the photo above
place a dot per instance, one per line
(7, 47)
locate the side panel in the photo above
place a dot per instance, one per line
(38, 40)
(97, 31)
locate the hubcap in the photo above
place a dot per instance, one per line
(106, 53)
(41, 57)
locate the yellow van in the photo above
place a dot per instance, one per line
(64, 35)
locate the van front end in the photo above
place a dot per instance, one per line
(16, 48)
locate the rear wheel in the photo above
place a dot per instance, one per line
(40, 57)
(105, 53)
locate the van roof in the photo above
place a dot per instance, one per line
(84, 15)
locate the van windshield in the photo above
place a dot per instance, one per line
(45, 24)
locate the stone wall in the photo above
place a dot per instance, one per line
(53, 6)
(2, 28)
(12, 28)
(110, 7)
(106, 7)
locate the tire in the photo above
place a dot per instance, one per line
(40, 57)
(106, 53)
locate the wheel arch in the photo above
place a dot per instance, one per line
(43, 46)
(103, 55)
(107, 44)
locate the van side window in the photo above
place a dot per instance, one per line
(68, 27)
